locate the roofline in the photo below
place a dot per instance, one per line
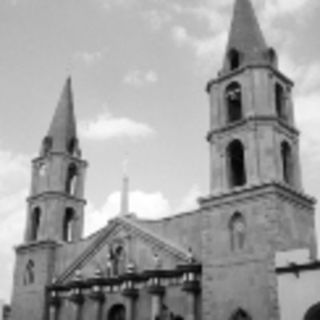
(298, 268)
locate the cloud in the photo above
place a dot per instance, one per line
(207, 50)
(89, 58)
(157, 19)
(105, 127)
(190, 201)
(145, 205)
(14, 182)
(138, 78)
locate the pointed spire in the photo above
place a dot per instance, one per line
(245, 39)
(124, 209)
(62, 131)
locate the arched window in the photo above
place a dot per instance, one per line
(287, 163)
(46, 145)
(68, 223)
(72, 145)
(234, 102)
(313, 313)
(234, 59)
(237, 229)
(280, 101)
(117, 312)
(236, 164)
(71, 179)
(35, 223)
(28, 276)
(240, 314)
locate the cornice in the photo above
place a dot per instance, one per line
(250, 191)
(253, 120)
(233, 73)
(55, 194)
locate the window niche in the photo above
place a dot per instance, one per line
(68, 225)
(35, 224)
(72, 146)
(234, 58)
(233, 97)
(71, 179)
(237, 229)
(240, 314)
(287, 163)
(29, 275)
(280, 101)
(236, 164)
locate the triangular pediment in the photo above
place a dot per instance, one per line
(133, 243)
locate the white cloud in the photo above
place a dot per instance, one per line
(144, 205)
(190, 201)
(105, 127)
(14, 182)
(157, 19)
(207, 50)
(89, 58)
(138, 78)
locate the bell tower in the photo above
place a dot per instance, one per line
(252, 137)
(54, 211)
(256, 204)
(55, 206)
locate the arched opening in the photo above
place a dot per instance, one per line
(236, 164)
(35, 224)
(234, 59)
(287, 163)
(234, 102)
(237, 229)
(117, 312)
(71, 180)
(313, 313)
(72, 145)
(280, 101)
(29, 276)
(46, 145)
(68, 224)
(240, 314)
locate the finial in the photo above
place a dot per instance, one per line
(191, 258)
(131, 267)
(124, 206)
(157, 261)
(77, 275)
(98, 273)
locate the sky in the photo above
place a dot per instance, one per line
(139, 69)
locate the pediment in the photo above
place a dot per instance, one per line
(122, 241)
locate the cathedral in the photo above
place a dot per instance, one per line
(247, 252)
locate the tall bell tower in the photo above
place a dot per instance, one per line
(55, 206)
(256, 205)
(54, 211)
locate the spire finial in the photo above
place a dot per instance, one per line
(124, 209)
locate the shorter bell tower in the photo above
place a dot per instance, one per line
(54, 211)
(55, 206)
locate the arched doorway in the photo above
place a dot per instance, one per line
(313, 313)
(117, 312)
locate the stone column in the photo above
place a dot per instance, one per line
(98, 300)
(131, 296)
(192, 305)
(157, 294)
(77, 300)
(54, 307)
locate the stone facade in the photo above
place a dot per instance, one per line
(217, 262)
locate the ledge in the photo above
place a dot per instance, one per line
(235, 72)
(298, 268)
(249, 191)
